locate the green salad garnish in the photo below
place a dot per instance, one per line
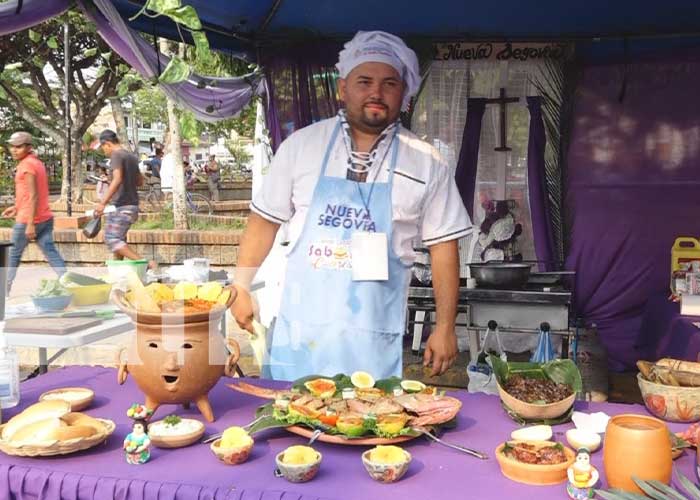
(51, 288)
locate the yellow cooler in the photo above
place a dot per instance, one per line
(685, 249)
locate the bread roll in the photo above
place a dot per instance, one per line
(38, 432)
(72, 432)
(82, 419)
(35, 413)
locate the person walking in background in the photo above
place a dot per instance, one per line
(33, 217)
(126, 178)
(213, 176)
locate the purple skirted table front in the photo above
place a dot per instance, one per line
(194, 473)
(665, 333)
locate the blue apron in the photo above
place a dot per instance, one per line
(328, 323)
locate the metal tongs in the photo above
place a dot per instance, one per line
(214, 437)
(468, 451)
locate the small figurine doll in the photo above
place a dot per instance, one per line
(582, 476)
(137, 445)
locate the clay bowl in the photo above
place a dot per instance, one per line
(231, 456)
(172, 440)
(73, 397)
(297, 473)
(531, 411)
(214, 314)
(636, 446)
(675, 404)
(534, 474)
(386, 473)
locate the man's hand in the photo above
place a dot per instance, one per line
(440, 350)
(99, 210)
(9, 212)
(242, 309)
(30, 232)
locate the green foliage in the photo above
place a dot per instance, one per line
(655, 490)
(190, 127)
(238, 152)
(167, 221)
(176, 71)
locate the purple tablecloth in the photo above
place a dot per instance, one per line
(194, 473)
(665, 333)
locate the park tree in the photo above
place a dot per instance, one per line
(32, 83)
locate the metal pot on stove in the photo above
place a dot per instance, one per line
(505, 275)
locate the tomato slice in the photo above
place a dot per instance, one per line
(329, 419)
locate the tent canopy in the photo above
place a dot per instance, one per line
(241, 26)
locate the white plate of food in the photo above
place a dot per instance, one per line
(175, 432)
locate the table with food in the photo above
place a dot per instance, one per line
(171, 422)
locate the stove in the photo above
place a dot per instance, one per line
(547, 297)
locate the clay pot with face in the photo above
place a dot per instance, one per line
(179, 363)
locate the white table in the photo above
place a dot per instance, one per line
(121, 323)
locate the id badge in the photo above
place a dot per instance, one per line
(370, 256)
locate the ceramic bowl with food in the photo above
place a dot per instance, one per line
(79, 398)
(383, 467)
(536, 411)
(234, 447)
(534, 462)
(56, 303)
(298, 464)
(175, 432)
(668, 402)
(231, 456)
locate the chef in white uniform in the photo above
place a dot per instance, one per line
(358, 191)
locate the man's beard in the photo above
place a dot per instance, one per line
(369, 120)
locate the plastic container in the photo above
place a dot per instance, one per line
(118, 269)
(9, 375)
(90, 295)
(684, 249)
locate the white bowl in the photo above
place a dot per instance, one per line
(579, 438)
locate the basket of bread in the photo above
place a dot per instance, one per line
(50, 428)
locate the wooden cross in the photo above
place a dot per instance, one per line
(502, 101)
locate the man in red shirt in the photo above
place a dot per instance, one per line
(33, 217)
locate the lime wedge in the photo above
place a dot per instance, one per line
(362, 380)
(412, 385)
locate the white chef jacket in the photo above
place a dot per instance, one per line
(426, 205)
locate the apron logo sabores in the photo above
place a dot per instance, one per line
(346, 217)
(330, 254)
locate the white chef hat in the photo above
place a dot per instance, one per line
(379, 46)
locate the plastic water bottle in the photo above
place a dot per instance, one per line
(9, 375)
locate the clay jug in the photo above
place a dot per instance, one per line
(636, 446)
(179, 363)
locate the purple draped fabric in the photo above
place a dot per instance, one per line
(208, 98)
(537, 192)
(32, 13)
(218, 99)
(193, 473)
(465, 171)
(665, 333)
(301, 84)
(633, 186)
